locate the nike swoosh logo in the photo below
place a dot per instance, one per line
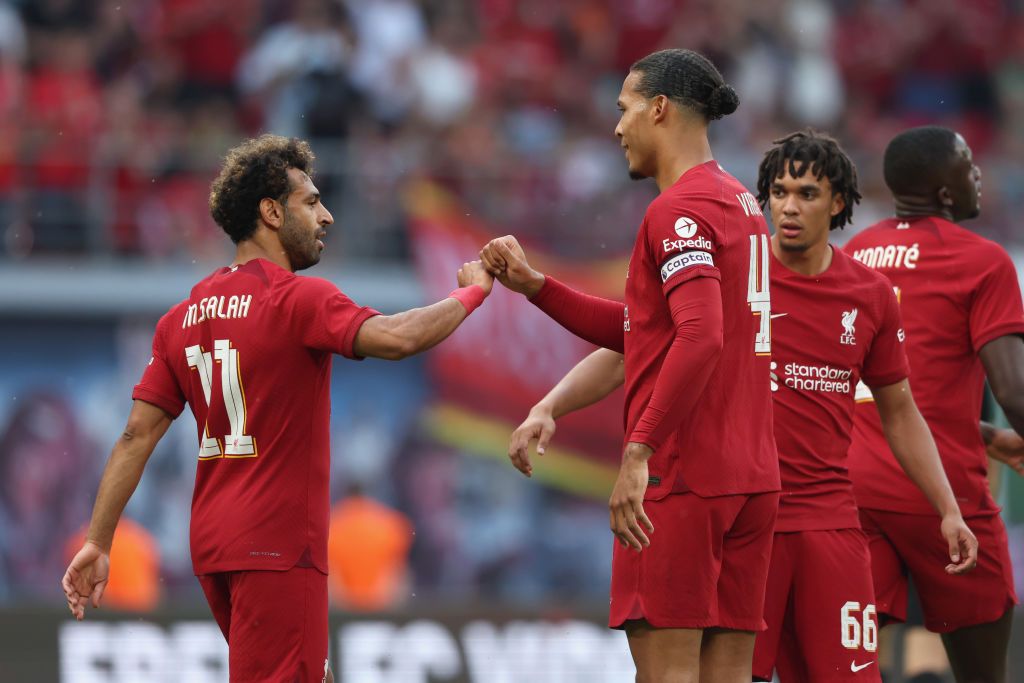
(854, 668)
(773, 316)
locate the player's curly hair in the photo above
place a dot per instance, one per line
(253, 170)
(687, 78)
(809, 149)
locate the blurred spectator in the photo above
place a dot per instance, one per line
(368, 553)
(289, 65)
(44, 478)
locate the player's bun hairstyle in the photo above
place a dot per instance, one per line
(916, 160)
(255, 169)
(687, 78)
(809, 149)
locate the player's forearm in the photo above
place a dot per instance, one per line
(593, 318)
(1003, 359)
(912, 443)
(988, 432)
(398, 336)
(1012, 404)
(593, 378)
(120, 478)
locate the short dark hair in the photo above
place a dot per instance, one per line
(916, 160)
(687, 78)
(253, 170)
(821, 153)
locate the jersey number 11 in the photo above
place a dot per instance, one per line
(236, 444)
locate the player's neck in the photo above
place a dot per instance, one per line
(814, 260)
(917, 207)
(261, 246)
(693, 150)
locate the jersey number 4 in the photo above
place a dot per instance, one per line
(757, 294)
(236, 443)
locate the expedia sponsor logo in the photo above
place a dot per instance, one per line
(679, 245)
(821, 378)
(681, 262)
(685, 227)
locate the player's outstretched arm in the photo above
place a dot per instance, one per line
(912, 444)
(593, 378)
(592, 318)
(1004, 445)
(86, 576)
(394, 337)
(1003, 359)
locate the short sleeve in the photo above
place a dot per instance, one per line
(324, 318)
(682, 242)
(996, 308)
(886, 361)
(158, 385)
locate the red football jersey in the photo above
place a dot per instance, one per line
(250, 351)
(957, 292)
(706, 225)
(828, 331)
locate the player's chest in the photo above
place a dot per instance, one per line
(833, 329)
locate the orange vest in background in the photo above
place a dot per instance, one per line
(368, 554)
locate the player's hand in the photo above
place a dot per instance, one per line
(474, 273)
(1007, 447)
(963, 546)
(86, 578)
(539, 426)
(506, 260)
(626, 506)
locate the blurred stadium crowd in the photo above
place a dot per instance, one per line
(114, 115)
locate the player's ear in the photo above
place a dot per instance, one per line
(838, 204)
(659, 108)
(945, 197)
(271, 213)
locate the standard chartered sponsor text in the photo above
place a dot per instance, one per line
(824, 378)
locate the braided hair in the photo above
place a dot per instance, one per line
(687, 78)
(820, 153)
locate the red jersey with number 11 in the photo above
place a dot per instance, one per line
(706, 225)
(250, 351)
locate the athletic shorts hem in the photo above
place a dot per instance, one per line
(683, 622)
(943, 627)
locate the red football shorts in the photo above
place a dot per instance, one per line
(903, 544)
(820, 610)
(275, 623)
(706, 566)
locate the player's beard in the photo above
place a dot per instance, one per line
(299, 243)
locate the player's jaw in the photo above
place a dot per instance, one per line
(965, 184)
(302, 244)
